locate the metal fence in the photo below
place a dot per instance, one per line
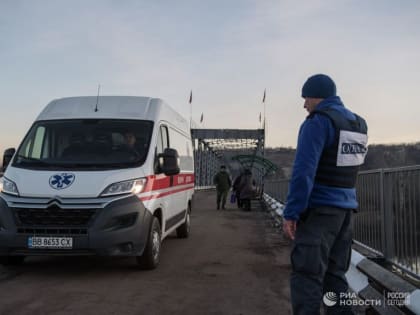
(277, 189)
(206, 166)
(388, 219)
(368, 222)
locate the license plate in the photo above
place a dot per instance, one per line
(50, 242)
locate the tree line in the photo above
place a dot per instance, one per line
(378, 156)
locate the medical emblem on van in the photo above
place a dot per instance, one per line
(62, 180)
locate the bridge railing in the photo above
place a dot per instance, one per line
(388, 219)
(277, 189)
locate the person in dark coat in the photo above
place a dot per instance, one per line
(246, 190)
(235, 188)
(223, 183)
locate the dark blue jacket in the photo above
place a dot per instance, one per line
(315, 135)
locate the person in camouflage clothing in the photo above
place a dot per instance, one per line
(223, 183)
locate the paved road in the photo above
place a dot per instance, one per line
(233, 263)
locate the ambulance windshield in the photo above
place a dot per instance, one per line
(85, 144)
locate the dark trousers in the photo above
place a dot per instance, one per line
(221, 197)
(238, 200)
(246, 204)
(320, 258)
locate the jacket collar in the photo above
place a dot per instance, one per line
(329, 102)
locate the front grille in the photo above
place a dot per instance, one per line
(51, 231)
(54, 216)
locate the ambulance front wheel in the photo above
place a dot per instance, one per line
(151, 255)
(11, 260)
(183, 231)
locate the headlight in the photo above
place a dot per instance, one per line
(8, 187)
(134, 186)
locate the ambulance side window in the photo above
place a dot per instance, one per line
(162, 144)
(34, 144)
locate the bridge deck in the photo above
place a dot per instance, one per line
(233, 263)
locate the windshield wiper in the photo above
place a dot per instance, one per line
(29, 160)
(34, 162)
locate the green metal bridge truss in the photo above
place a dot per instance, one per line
(236, 148)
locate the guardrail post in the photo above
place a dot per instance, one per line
(382, 211)
(388, 217)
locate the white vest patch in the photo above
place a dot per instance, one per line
(352, 148)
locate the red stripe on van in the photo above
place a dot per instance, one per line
(157, 182)
(166, 193)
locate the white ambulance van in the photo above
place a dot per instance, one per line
(112, 175)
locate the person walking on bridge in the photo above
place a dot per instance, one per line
(235, 188)
(246, 190)
(332, 144)
(223, 183)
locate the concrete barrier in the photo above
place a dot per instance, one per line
(365, 277)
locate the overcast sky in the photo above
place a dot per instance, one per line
(226, 51)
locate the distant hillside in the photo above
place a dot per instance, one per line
(283, 158)
(378, 156)
(387, 156)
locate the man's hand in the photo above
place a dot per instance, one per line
(289, 228)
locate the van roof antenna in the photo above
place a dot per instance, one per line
(97, 98)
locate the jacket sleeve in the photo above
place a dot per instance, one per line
(313, 135)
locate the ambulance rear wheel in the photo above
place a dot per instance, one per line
(151, 255)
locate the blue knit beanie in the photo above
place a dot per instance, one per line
(319, 86)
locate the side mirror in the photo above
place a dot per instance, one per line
(169, 162)
(7, 157)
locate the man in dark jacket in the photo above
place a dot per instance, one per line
(223, 183)
(332, 144)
